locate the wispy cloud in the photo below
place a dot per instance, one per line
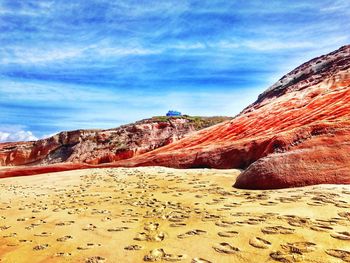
(35, 55)
(114, 51)
(89, 64)
(17, 136)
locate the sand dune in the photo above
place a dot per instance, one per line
(160, 214)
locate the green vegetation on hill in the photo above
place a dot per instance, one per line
(198, 122)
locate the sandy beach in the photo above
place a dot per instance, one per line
(160, 214)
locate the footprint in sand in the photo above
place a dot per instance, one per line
(345, 214)
(338, 253)
(316, 204)
(225, 248)
(259, 242)
(223, 209)
(22, 219)
(177, 216)
(254, 221)
(65, 223)
(269, 203)
(321, 228)
(346, 192)
(2, 228)
(231, 205)
(10, 235)
(155, 255)
(133, 247)
(117, 229)
(64, 239)
(286, 257)
(195, 232)
(88, 246)
(200, 260)
(225, 223)
(177, 224)
(43, 234)
(12, 243)
(41, 247)
(342, 205)
(294, 220)
(132, 220)
(150, 236)
(299, 222)
(341, 235)
(228, 233)
(172, 257)
(159, 254)
(89, 227)
(62, 254)
(151, 226)
(287, 199)
(299, 247)
(95, 259)
(210, 217)
(25, 241)
(277, 230)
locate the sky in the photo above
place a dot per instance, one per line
(80, 64)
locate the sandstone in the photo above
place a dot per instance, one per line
(103, 146)
(297, 132)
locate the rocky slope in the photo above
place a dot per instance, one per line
(103, 146)
(297, 133)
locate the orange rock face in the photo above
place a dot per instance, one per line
(101, 146)
(297, 133)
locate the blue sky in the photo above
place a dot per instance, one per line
(97, 64)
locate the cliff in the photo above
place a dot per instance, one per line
(297, 132)
(103, 146)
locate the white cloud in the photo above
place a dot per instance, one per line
(262, 45)
(337, 6)
(45, 136)
(105, 49)
(31, 10)
(17, 136)
(20, 55)
(277, 45)
(111, 51)
(141, 9)
(29, 92)
(185, 46)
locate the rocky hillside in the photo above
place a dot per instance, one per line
(103, 146)
(297, 132)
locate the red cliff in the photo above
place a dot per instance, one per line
(103, 146)
(297, 132)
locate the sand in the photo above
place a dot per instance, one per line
(168, 215)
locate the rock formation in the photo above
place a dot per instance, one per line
(103, 146)
(297, 132)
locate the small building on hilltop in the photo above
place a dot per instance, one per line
(173, 113)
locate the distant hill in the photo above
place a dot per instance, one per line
(104, 146)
